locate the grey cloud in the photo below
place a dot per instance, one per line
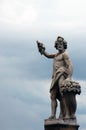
(23, 104)
(81, 121)
(21, 59)
(20, 103)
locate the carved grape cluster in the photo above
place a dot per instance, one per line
(70, 86)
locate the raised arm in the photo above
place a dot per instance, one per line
(41, 49)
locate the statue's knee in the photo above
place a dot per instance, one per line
(53, 97)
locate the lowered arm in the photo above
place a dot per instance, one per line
(68, 65)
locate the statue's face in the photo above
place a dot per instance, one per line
(60, 46)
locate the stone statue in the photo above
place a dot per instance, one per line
(62, 87)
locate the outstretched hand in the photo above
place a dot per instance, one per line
(37, 42)
(40, 46)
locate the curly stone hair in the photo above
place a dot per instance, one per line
(61, 39)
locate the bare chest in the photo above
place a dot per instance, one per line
(58, 58)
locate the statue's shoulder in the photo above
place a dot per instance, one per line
(65, 55)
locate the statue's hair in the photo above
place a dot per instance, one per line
(61, 39)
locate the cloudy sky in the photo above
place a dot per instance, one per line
(25, 75)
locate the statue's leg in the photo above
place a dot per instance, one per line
(64, 110)
(53, 104)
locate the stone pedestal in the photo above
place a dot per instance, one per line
(60, 125)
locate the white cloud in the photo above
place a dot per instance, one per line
(72, 8)
(17, 12)
(58, 14)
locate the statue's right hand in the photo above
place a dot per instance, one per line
(41, 47)
(37, 42)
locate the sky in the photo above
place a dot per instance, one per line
(25, 75)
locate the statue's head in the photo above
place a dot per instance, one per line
(60, 42)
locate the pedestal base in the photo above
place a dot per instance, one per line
(60, 125)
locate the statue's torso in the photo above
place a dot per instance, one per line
(58, 63)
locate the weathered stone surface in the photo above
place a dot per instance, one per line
(63, 89)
